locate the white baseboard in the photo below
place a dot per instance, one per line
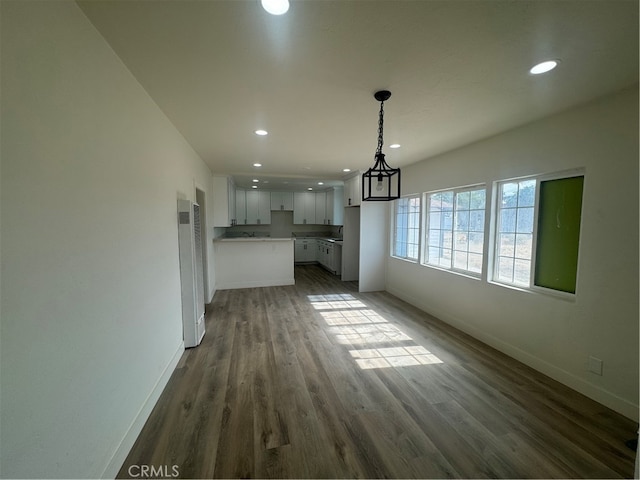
(609, 399)
(256, 283)
(120, 455)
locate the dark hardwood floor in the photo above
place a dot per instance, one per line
(319, 381)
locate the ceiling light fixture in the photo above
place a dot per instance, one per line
(394, 145)
(381, 182)
(346, 170)
(275, 7)
(257, 164)
(255, 180)
(262, 133)
(543, 67)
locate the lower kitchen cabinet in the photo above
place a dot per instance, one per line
(305, 250)
(329, 255)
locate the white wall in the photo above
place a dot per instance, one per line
(552, 335)
(374, 246)
(91, 316)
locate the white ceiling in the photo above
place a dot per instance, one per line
(457, 70)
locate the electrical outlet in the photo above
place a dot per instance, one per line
(595, 365)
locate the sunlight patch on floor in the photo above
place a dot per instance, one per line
(394, 357)
(353, 323)
(369, 334)
(352, 317)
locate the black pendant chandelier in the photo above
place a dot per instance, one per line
(381, 182)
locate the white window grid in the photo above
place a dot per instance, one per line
(516, 218)
(406, 234)
(455, 233)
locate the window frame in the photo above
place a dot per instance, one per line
(426, 218)
(495, 233)
(394, 209)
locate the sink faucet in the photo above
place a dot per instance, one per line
(340, 231)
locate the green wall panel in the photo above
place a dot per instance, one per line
(559, 233)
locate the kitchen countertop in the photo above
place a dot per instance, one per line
(253, 239)
(337, 241)
(326, 239)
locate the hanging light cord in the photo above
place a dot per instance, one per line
(380, 127)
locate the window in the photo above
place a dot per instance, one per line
(406, 241)
(455, 229)
(515, 232)
(538, 230)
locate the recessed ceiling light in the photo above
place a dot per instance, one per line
(257, 164)
(255, 180)
(543, 67)
(394, 145)
(275, 7)
(262, 133)
(254, 186)
(320, 183)
(346, 169)
(309, 188)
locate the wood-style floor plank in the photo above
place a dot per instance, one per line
(316, 380)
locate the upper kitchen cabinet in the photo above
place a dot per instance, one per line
(258, 207)
(241, 207)
(335, 206)
(304, 208)
(321, 208)
(353, 191)
(252, 207)
(224, 201)
(282, 201)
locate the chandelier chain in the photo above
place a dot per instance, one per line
(380, 127)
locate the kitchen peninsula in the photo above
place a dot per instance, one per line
(247, 262)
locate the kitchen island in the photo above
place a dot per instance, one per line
(246, 262)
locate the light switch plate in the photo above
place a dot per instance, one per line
(595, 365)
